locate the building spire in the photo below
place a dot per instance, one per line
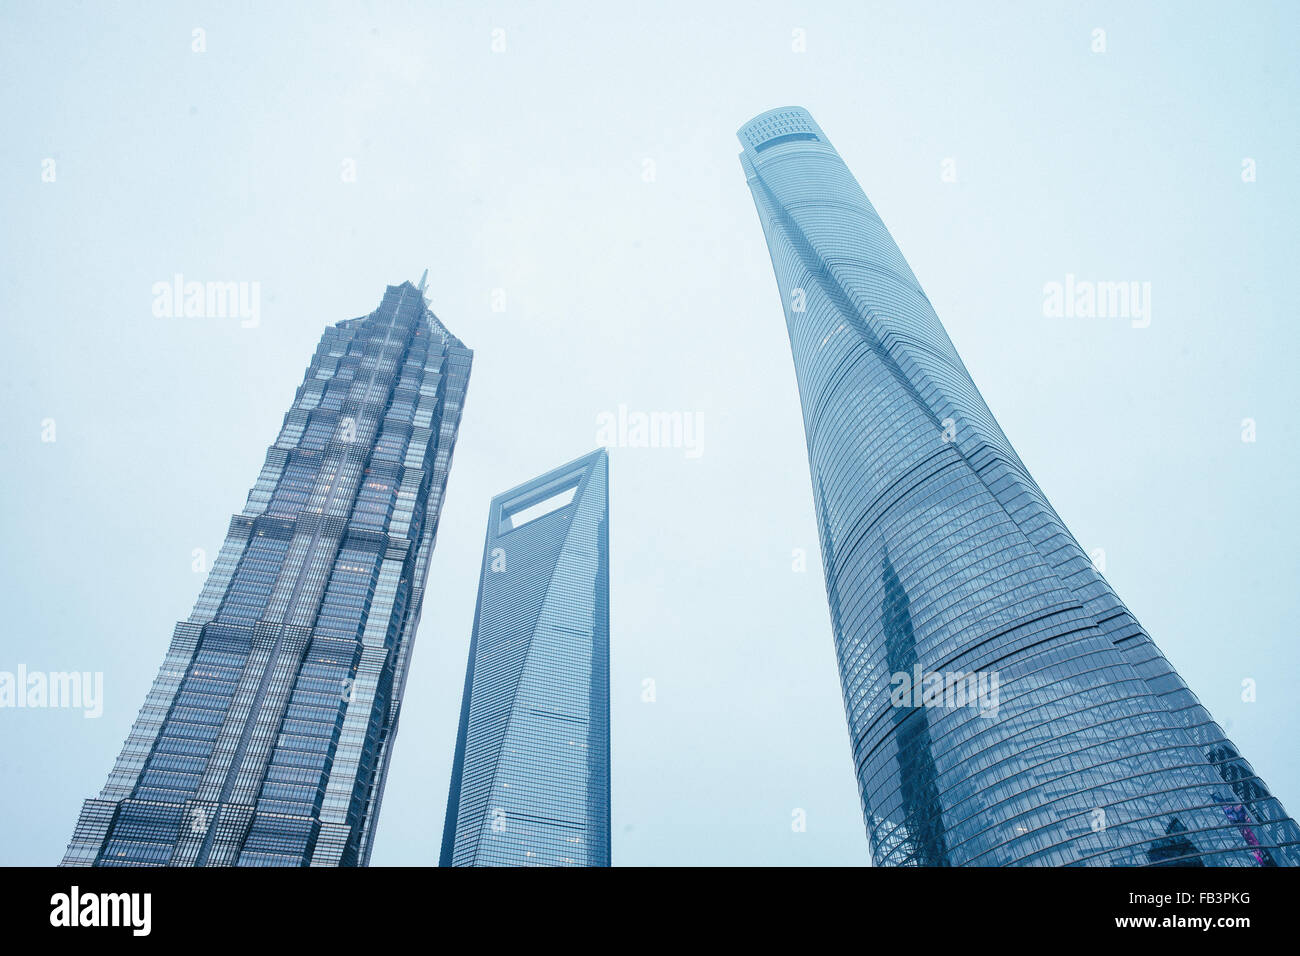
(423, 279)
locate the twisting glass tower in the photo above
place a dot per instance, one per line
(530, 781)
(946, 567)
(266, 738)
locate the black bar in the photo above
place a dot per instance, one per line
(1052, 908)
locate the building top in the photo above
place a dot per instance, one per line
(785, 124)
(431, 319)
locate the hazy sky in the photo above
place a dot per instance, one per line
(588, 172)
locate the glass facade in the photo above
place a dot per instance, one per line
(530, 781)
(266, 737)
(945, 562)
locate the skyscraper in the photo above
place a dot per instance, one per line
(946, 567)
(530, 781)
(266, 738)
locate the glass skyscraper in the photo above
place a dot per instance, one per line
(266, 737)
(530, 781)
(946, 567)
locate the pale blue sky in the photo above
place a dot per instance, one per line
(523, 170)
